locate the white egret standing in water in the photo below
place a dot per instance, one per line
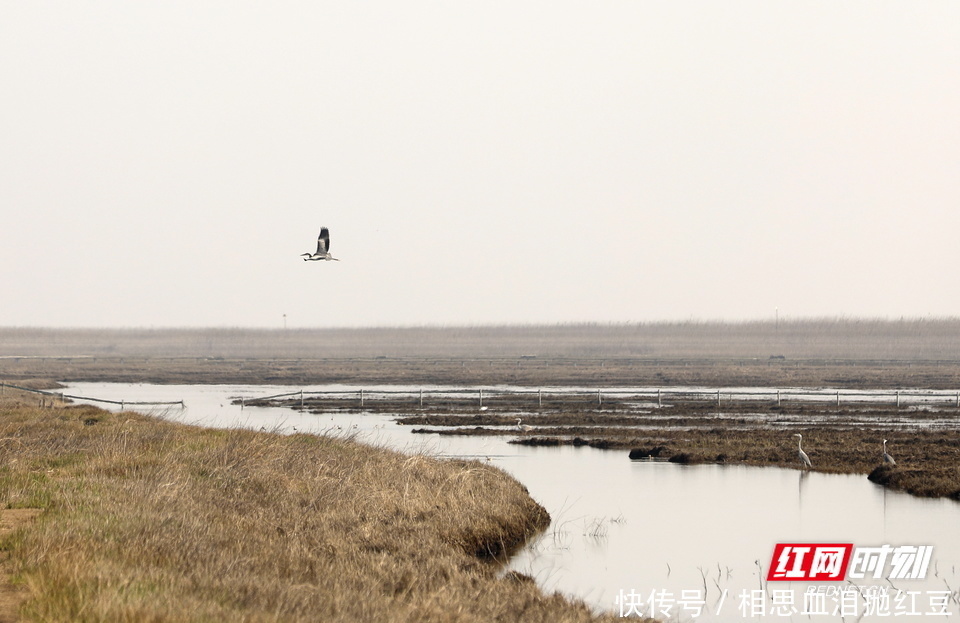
(803, 455)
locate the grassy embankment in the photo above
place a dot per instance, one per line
(146, 520)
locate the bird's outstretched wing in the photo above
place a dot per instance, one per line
(323, 241)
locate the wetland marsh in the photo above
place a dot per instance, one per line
(619, 523)
(728, 453)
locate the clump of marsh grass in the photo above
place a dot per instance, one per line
(933, 481)
(147, 520)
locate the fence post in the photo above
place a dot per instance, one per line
(718, 397)
(838, 397)
(361, 398)
(540, 397)
(898, 398)
(421, 397)
(301, 400)
(659, 398)
(599, 399)
(481, 397)
(778, 397)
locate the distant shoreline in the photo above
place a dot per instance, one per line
(846, 339)
(480, 371)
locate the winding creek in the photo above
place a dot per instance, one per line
(678, 542)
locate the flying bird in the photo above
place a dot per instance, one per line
(323, 248)
(886, 457)
(800, 453)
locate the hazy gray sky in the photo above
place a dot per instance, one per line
(165, 163)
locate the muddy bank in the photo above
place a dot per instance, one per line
(924, 441)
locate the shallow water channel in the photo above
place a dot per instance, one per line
(679, 542)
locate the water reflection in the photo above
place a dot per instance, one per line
(620, 525)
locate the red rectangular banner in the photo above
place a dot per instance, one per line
(809, 562)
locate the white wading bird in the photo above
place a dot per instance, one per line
(886, 457)
(803, 455)
(523, 427)
(323, 248)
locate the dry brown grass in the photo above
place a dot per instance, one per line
(146, 520)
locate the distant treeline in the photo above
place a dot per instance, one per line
(803, 339)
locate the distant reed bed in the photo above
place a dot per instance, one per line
(825, 338)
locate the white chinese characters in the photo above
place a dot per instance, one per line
(905, 562)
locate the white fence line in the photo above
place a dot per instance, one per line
(485, 396)
(62, 396)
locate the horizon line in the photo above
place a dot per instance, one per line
(794, 320)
